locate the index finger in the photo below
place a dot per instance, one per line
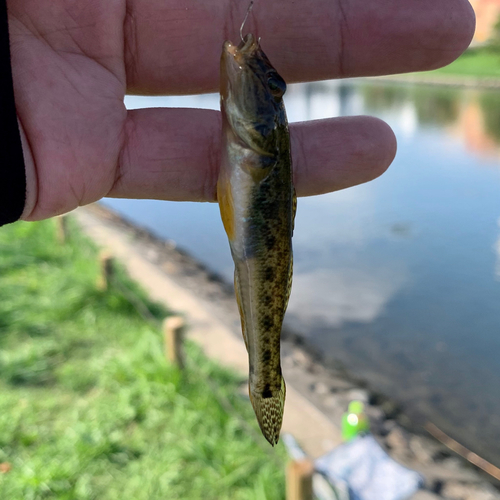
(173, 46)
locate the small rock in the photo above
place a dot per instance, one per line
(388, 426)
(332, 401)
(314, 368)
(390, 408)
(169, 267)
(397, 440)
(375, 413)
(404, 420)
(424, 495)
(300, 358)
(339, 384)
(453, 463)
(320, 388)
(152, 254)
(423, 451)
(461, 491)
(358, 395)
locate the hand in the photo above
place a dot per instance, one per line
(74, 60)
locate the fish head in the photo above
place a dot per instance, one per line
(252, 95)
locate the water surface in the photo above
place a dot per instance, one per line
(399, 278)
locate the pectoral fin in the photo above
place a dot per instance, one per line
(237, 291)
(225, 199)
(259, 166)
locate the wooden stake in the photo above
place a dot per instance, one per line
(62, 229)
(299, 480)
(107, 270)
(173, 332)
(483, 464)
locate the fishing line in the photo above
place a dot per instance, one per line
(245, 20)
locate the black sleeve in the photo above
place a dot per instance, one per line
(12, 172)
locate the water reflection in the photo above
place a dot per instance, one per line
(333, 297)
(399, 278)
(439, 107)
(490, 107)
(384, 97)
(472, 115)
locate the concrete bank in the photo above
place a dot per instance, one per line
(316, 396)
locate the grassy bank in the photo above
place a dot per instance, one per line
(90, 409)
(481, 62)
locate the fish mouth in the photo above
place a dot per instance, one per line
(236, 57)
(247, 48)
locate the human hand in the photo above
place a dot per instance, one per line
(74, 60)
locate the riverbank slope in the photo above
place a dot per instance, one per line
(476, 68)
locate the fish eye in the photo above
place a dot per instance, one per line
(276, 85)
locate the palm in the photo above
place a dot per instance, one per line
(73, 61)
(69, 94)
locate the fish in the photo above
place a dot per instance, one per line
(257, 203)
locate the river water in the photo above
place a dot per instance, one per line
(398, 279)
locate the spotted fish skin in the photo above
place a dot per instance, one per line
(257, 203)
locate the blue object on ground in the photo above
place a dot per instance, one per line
(369, 472)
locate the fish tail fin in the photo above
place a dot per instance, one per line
(269, 411)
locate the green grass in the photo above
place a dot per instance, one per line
(90, 409)
(479, 62)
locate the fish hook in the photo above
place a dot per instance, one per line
(245, 20)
